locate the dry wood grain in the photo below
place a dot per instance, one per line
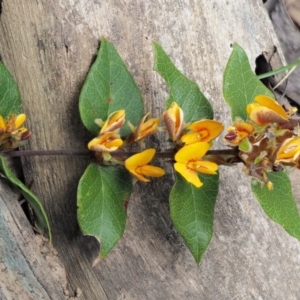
(25, 272)
(49, 46)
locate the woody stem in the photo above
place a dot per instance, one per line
(121, 154)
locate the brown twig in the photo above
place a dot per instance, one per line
(119, 153)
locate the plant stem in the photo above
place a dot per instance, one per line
(45, 152)
(122, 154)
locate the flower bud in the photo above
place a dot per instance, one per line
(114, 122)
(173, 118)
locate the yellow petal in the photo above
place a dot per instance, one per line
(93, 143)
(289, 150)
(137, 165)
(205, 167)
(262, 115)
(189, 174)
(19, 121)
(108, 142)
(266, 110)
(207, 130)
(271, 104)
(2, 124)
(114, 121)
(140, 159)
(15, 122)
(191, 138)
(151, 171)
(192, 152)
(116, 143)
(139, 176)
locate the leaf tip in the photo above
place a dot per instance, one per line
(103, 39)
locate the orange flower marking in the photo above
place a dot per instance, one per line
(189, 162)
(138, 166)
(266, 110)
(202, 131)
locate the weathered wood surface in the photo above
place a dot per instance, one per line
(25, 272)
(48, 46)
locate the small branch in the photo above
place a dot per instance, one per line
(233, 152)
(45, 152)
(123, 154)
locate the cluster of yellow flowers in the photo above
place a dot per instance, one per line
(193, 142)
(269, 141)
(109, 140)
(12, 133)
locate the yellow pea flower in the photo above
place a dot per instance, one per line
(108, 142)
(13, 123)
(266, 110)
(202, 131)
(138, 166)
(146, 128)
(114, 121)
(173, 118)
(189, 162)
(289, 151)
(238, 132)
(12, 134)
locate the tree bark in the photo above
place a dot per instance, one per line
(49, 46)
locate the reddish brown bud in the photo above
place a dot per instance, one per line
(25, 135)
(230, 136)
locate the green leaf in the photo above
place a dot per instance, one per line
(279, 203)
(102, 198)
(192, 212)
(10, 99)
(38, 209)
(109, 87)
(183, 91)
(240, 84)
